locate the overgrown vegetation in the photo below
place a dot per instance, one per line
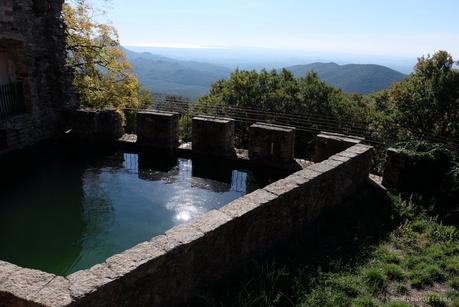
(423, 107)
(419, 259)
(394, 254)
(101, 71)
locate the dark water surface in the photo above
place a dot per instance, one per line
(70, 210)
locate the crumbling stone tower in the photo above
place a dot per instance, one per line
(35, 84)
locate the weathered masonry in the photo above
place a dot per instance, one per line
(213, 135)
(270, 142)
(33, 77)
(169, 268)
(158, 129)
(327, 144)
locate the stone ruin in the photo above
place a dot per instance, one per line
(32, 46)
(213, 135)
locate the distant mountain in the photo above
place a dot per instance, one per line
(175, 77)
(192, 79)
(360, 78)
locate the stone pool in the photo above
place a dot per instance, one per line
(67, 210)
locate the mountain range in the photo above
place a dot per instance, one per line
(169, 76)
(192, 79)
(352, 78)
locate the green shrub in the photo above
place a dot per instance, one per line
(397, 304)
(375, 279)
(394, 272)
(364, 301)
(435, 300)
(401, 289)
(426, 274)
(455, 283)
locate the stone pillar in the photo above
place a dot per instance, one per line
(271, 143)
(327, 144)
(91, 124)
(213, 135)
(158, 129)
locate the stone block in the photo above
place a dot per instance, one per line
(158, 129)
(24, 283)
(97, 125)
(210, 221)
(419, 172)
(213, 135)
(84, 282)
(134, 257)
(184, 234)
(328, 144)
(271, 143)
(55, 293)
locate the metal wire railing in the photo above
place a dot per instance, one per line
(308, 122)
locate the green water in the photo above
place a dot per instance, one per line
(75, 211)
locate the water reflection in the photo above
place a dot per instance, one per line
(81, 208)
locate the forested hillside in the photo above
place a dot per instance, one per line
(164, 75)
(352, 78)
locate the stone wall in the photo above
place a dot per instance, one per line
(406, 171)
(271, 143)
(95, 125)
(158, 129)
(213, 135)
(168, 269)
(327, 144)
(33, 32)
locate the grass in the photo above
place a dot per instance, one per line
(419, 254)
(403, 256)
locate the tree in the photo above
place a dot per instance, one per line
(427, 103)
(279, 93)
(101, 71)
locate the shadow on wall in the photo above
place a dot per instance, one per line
(339, 236)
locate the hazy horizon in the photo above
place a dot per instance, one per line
(367, 29)
(258, 58)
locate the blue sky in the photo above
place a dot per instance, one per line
(383, 27)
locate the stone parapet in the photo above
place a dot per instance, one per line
(97, 125)
(213, 135)
(271, 143)
(32, 36)
(158, 129)
(327, 144)
(170, 268)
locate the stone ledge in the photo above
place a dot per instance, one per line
(328, 144)
(273, 127)
(184, 234)
(210, 221)
(55, 293)
(161, 113)
(190, 254)
(282, 186)
(247, 203)
(134, 257)
(85, 282)
(214, 119)
(25, 283)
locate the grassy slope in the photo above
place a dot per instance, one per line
(417, 264)
(390, 254)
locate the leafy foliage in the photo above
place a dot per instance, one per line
(352, 78)
(282, 92)
(427, 103)
(102, 74)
